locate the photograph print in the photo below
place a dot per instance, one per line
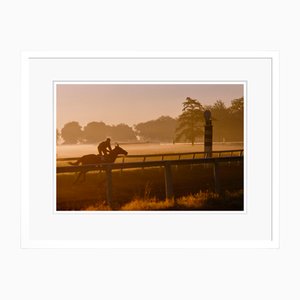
(149, 146)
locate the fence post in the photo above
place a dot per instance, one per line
(123, 160)
(109, 185)
(208, 134)
(179, 157)
(216, 176)
(144, 161)
(168, 181)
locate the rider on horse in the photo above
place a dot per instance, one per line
(104, 147)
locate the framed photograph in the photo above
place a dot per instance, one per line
(150, 150)
(148, 146)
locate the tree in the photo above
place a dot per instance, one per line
(94, 132)
(190, 121)
(71, 133)
(159, 130)
(228, 122)
(122, 133)
(236, 111)
(221, 119)
(237, 105)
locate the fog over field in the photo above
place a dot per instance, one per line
(63, 151)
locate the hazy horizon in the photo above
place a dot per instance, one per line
(134, 103)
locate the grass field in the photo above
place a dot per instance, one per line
(145, 190)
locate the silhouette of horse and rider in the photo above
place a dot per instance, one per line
(106, 155)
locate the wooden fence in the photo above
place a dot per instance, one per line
(166, 164)
(175, 156)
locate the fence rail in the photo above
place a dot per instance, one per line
(235, 152)
(108, 167)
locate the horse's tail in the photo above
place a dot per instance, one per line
(75, 163)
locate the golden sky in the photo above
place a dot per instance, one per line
(133, 103)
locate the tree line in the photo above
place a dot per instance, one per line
(93, 132)
(188, 126)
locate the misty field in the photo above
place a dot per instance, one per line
(63, 151)
(144, 189)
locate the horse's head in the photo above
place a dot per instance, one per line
(120, 150)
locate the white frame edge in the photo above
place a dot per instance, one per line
(25, 133)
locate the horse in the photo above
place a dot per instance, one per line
(93, 159)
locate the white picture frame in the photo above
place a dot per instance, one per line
(42, 227)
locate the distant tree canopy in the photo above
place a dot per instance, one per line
(190, 122)
(237, 106)
(94, 132)
(237, 120)
(220, 119)
(122, 133)
(228, 125)
(159, 130)
(71, 133)
(228, 122)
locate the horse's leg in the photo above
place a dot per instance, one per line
(84, 176)
(78, 177)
